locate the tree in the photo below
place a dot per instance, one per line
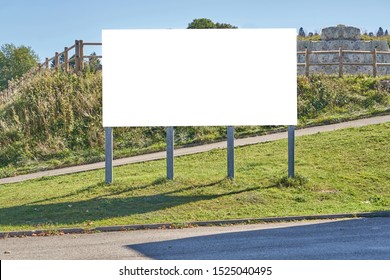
(301, 32)
(380, 32)
(225, 26)
(205, 23)
(386, 33)
(14, 62)
(310, 34)
(371, 34)
(94, 63)
(61, 59)
(201, 23)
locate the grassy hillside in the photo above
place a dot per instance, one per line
(346, 170)
(55, 119)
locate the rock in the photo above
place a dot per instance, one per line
(340, 32)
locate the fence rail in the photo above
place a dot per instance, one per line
(341, 63)
(78, 57)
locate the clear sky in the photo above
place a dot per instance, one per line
(50, 25)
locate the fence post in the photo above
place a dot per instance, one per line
(81, 52)
(47, 63)
(374, 63)
(56, 61)
(307, 62)
(340, 62)
(66, 63)
(77, 57)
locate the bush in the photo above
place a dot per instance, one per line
(297, 181)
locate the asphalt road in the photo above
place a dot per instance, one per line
(366, 238)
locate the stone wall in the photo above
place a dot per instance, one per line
(347, 38)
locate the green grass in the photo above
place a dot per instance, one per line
(342, 171)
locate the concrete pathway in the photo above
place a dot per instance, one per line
(198, 149)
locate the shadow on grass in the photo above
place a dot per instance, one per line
(104, 206)
(94, 187)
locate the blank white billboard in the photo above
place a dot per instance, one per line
(199, 77)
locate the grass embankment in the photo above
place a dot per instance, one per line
(347, 171)
(55, 119)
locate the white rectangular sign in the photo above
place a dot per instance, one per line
(199, 77)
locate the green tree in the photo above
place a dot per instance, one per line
(205, 23)
(225, 26)
(94, 63)
(301, 32)
(14, 62)
(380, 32)
(61, 60)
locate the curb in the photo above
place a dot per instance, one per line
(192, 224)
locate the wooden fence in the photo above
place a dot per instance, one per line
(77, 60)
(341, 63)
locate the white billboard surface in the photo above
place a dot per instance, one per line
(199, 77)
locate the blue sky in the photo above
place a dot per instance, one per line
(49, 26)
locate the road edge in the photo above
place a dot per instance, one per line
(62, 231)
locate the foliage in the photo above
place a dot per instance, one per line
(61, 60)
(380, 32)
(94, 64)
(330, 97)
(310, 37)
(297, 181)
(14, 62)
(204, 23)
(55, 113)
(301, 32)
(224, 26)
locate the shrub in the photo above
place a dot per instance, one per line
(297, 181)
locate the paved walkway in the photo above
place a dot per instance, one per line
(198, 149)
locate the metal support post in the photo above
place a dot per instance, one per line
(291, 146)
(170, 148)
(230, 151)
(109, 154)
